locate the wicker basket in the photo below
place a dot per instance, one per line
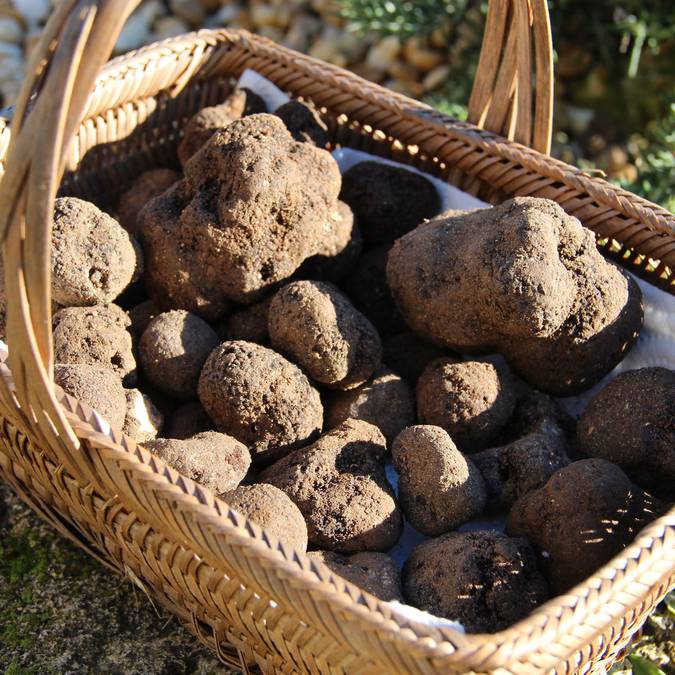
(250, 597)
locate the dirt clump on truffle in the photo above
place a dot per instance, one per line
(304, 122)
(143, 420)
(147, 186)
(260, 398)
(216, 461)
(387, 200)
(249, 323)
(485, 580)
(93, 258)
(386, 401)
(339, 485)
(315, 324)
(187, 421)
(471, 400)
(173, 349)
(372, 571)
(271, 509)
(249, 211)
(524, 279)
(407, 354)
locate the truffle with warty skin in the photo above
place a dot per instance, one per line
(188, 420)
(147, 186)
(304, 122)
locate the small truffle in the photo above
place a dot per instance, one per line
(315, 324)
(250, 323)
(385, 401)
(374, 572)
(207, 121)
(271, 509)
(93, 258)
(96, 336)
(141, 315)
(339, 485)
(585, 514)
(524, 465)
(532, 408)
(631, 422)
(173, 349)
(143, 420)
(147, 186)
(439, 488)
(387, 200)
(485, 580)
(471, 400)
(97, 386)
(187, 421)
(304, 122)
(216, 461)
(407, 354)
(260, 398)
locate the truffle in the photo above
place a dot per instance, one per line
(147, 186)
(387, 200)
(250, 210)
(143, 420)
(524, 279)
(471, 400)
(260, 398)
(208, 120)
(374, 572)
(249, 323)
(339, 485)
(95, 385)
(187, 421)
(315, 324)
(524, 465)
(304, 122)
(141, 315)
(93, 258)
(407, 354)
(216, 461)
(95, 336)
(631, 422)
(485, 580)
(532, 408)
(439, 488)
(271, 509)
(172, 351)
(585, 514)
(385, 401)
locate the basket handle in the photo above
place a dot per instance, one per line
(501, 98)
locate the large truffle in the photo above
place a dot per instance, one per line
(93, 258)
(485, 580)
(304, 122)
(96, 336)
(407, 354)
(524, 279)
(249, 211)
(173, 349)
(385, 401)
(260, 398)
(143, 420)
(316, 325)
(96, 386)
(374, 572)
(388, 201)
(584, 515)
(632, 422)
(188, 420)
(471, 400)
(524, 465)
(147, 186)
(339, 485)
(271, 509)
(216, 461)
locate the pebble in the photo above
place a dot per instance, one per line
(189, 11)
(34, 11)
(420, 55)
(169, 26)
(11, 30)
(382, 54)
(436, 77)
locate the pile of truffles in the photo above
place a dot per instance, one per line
(293, 339)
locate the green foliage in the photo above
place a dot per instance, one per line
(643, 666)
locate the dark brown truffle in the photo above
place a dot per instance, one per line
(374, 572)
(97, 386)
(173, 349)
(485, 580)
(315, 324)
(631, 422)
(407, 354)
(339, 485)
(249, 323)
(147, 186)
(259, 397)
(271, 509)
(525, 279)
(439, 488)
(304, 122)
(388, 201)
(584, 515)
(216, 461)
(207, 121)
(187, 421)
(524, 465)
(249, 211)
(471, 400)
(93, 258)
(96, 336)
(143, 420)
(385, 401)
(532, 408)
(141, 315)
